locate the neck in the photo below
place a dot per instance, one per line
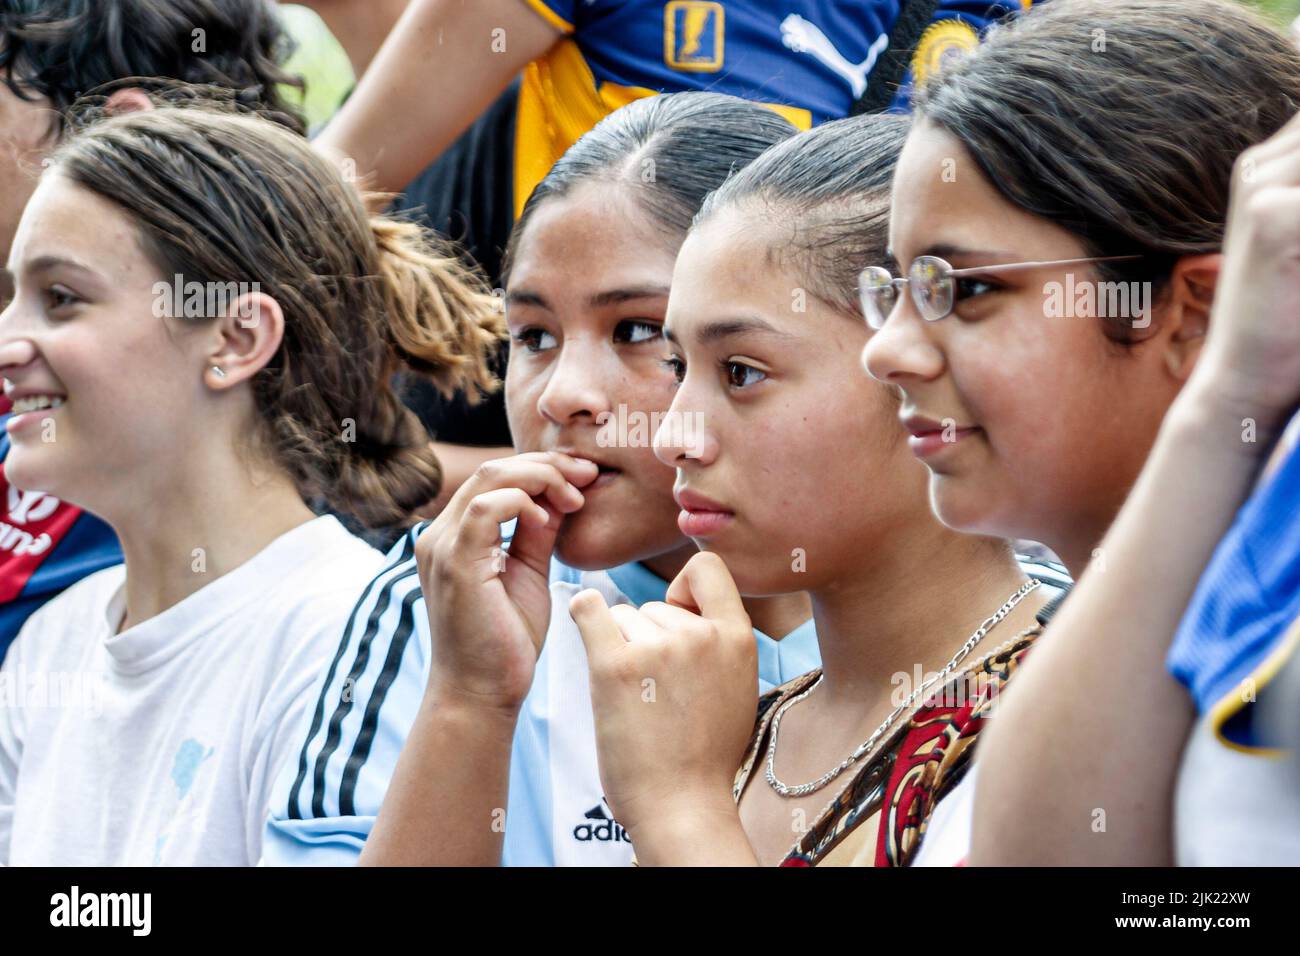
(360, 27)
(1077, 545)
(183, 533)
(776, 616)
(912, 610)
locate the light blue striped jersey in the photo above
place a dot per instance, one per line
(329, 794)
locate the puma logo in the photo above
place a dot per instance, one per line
(802, 36)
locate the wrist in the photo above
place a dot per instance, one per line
(454, 702)
(690, 829)
(1217, 399)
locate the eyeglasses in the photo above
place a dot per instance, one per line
(933, 285)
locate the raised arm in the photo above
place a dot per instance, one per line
(1080, 765)
(488, 614)
(443, 64)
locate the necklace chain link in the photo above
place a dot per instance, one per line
(867, 745)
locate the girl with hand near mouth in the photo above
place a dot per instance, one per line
(462, 678)
(199, 437)
(800, 478)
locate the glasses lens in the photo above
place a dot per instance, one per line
(877, 294)
(932, 288)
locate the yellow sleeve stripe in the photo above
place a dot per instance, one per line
(1236, 700)
(550, 16)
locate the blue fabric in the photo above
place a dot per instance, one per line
(88, 546)
(1248, 596)
(739, 48)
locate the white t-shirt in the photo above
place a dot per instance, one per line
(1234, 805)
(159, 745)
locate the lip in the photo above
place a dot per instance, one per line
(24, 421)
(607, 472)
(700, 516)
(928, 437)
(13, 393)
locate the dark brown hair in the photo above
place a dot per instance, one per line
(672, 150)
(222, 197)
(1120, 120)
(66, 50)
(830, 188)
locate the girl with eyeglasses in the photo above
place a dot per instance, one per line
(1089, 146)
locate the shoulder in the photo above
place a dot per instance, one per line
(62, 626)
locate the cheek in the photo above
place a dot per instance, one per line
(522, 388)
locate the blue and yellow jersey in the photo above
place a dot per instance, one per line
(810, 60)
(1243, 622)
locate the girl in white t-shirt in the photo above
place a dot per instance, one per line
(204, 327)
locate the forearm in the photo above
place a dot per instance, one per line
(441, 66)
(697, 833)
(1079, 764)
(446, 802)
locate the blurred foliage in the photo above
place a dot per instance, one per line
(320, 60)
(1283, 11)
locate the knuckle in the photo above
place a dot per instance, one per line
(477, 509)
(489, 471)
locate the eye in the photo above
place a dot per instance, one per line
(634, 332)
(677, 366)
(59, 297)
(535, 339)
(967, 287)
(740, 375)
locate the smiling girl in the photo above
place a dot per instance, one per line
(170, 686)
(800, 477)
(1150, 102)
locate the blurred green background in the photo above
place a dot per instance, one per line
(1283, 10)
(320, 59)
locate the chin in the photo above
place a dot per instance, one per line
(966, 509)
(30, 470)
(589, 543)
(760, 573)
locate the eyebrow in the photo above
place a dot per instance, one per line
(45, 263)
(946, 250)
(712, 332)
(598, 301)
(632, 294)
(524, 297)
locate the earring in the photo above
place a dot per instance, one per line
(219, 371)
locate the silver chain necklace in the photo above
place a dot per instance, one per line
(866, 746)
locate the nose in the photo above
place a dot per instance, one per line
(14, 354)
(683, 435)
(575, 389)
(905, 349)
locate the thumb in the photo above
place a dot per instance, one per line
(706, 587)
(599, 630)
